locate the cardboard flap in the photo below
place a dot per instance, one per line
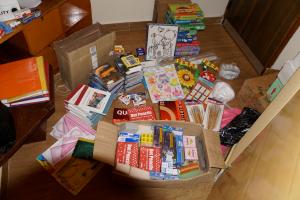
(105, 143)
(285, 95)
(212, 143)
(104, 46)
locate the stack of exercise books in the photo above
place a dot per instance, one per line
(89, 104)
(24, 82)
(131, 68)
(107, 77)
(189, 17)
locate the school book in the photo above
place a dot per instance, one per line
(108, 75)
(20, 101)
(22, 78)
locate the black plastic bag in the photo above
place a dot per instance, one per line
(7, 129)
(238, 127)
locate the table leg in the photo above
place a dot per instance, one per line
(4, 181)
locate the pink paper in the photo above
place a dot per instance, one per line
(229, 114)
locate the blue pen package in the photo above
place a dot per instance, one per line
(128, 137)
(178, 135)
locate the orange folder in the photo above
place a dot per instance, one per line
(22, 78)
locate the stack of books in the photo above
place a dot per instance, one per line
(189, 17)
(89, 104)
(131, 69)
(24, 82)
(107, 77)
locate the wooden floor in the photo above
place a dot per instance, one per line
(27, 179)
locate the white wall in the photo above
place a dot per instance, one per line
(212, 8)
(119, 11)
(290, 50)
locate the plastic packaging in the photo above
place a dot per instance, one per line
(223, 92)
(238, 127)
(229, 71)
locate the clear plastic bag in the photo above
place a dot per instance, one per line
(229, 71)
(223, 92)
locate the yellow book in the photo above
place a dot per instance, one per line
(42, 74)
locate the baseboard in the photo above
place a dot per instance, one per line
(135, 26)
(213, 20)
(127, 26)
(257, 65)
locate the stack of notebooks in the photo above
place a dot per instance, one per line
(131, 69)
(107, 77)
(88, 104)
(24, 82)
(123, 76)
(189, 17)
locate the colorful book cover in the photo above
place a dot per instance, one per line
(127, 153)
(150, 159)
(182, 44)
(130, 61)
(163, 83)
(94, 100)
(172, 110)
(120, 115)
(181, 8)
(108, 76)
(187, 73)
(22, 78)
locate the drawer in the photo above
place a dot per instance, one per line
(41, 32)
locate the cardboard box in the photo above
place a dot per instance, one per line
(82, 51)
(105, 148)
(274, 89)
(253, 92)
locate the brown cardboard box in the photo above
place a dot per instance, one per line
(253, 92)
(161, 7)
(104, 151)
(82, 51)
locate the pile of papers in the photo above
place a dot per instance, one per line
(71, 153)
(24, 82)
(88, 104)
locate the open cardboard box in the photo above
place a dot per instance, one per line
(105, 148)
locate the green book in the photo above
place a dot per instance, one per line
(84, 149)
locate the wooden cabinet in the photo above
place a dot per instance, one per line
(264, 27)
(43, 31)
(59, 19)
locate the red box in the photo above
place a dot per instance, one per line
(127, 153)
(150, 159)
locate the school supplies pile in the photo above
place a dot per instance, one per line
(189, 17)
(88, 104)
(24, 82)
(163, 152)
